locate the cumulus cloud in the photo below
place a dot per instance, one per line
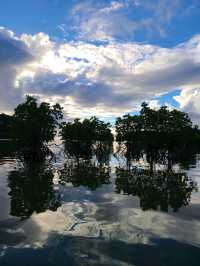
(189, 100)
(105, 80)
(14, 54)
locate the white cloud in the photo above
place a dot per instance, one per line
(189, 100)
(99, 21)
(89, 79)
(123, 19)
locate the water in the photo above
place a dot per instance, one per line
(48, 217)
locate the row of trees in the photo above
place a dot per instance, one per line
(159, 135)
(156, 135)
(33, 125)
(164, 131)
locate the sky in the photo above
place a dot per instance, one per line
(102, 57)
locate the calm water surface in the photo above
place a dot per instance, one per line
(48, 217)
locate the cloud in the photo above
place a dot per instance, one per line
(105, 80)
(104, 21)
(12, 50)
(189, 100)
(123, 19)
(13, 55)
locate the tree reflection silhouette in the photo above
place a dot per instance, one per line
(85, 174)
(102, 152)
(32, 190)
(160, 190)
(87, 165)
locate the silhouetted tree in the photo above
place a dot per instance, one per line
(78, 150)
(84, 139)
(5, 126)
(86, 131)
(161, 135)
(8, 149)
(34, 125)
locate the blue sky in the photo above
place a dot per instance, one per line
(177, 20)
(101, 57)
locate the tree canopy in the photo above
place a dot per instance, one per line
(88, 130)
(161, 121)
(160, 134)
(35, 124)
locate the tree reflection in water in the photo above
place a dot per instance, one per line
(85, 174)
(32, 190)
(158, 190)
(102, 152)
(87, 165)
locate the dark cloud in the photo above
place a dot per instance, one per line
(83, 91)
(12, 51)
(168, 77)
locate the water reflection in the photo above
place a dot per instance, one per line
(161, 181)
(85, 174)
(135, 152)
(160, 190)
(32, 190)
(102, 226)
(86, 151)
(103, 152)
(87, 165)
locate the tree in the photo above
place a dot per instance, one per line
(84, 139)
(161, 134)
(87, 131)
(35, 124)
(5, 126)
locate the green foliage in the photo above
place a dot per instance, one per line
(87, 131)
(35, 124)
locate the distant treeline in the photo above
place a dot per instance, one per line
(33, 125)
(5, 126)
